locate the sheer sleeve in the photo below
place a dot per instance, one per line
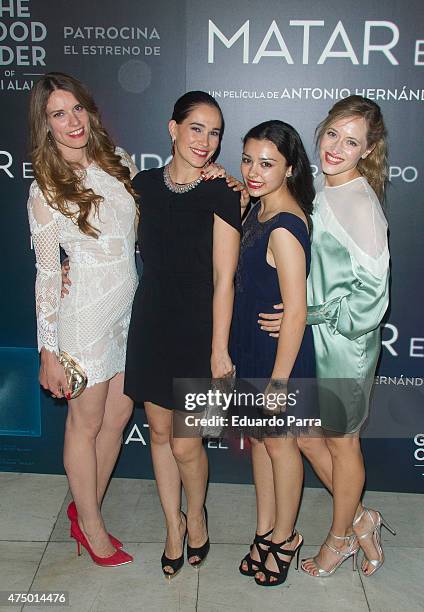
(45, 239)
(353, 215)
(127, 161)
(356, 219)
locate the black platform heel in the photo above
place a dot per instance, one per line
(175, 564)
(200, 551)
(253, 566)
(283, 566)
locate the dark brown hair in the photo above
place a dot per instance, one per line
(288, 142)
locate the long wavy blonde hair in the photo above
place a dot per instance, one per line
(374, 167)
(61, 181)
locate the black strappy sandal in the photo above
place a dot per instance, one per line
(283, 566)
(253, 566)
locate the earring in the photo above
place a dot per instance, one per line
(289, 174)
(173, 147)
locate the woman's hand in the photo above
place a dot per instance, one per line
(65, 278)
(213, 171)
(271, 323)
(237, 185)
(275, 396)
(221, 365)
(52, 375)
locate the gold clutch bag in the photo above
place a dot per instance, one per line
(75, 375)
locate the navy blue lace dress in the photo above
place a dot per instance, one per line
(257, 289)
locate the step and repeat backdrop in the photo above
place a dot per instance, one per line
(275, 60)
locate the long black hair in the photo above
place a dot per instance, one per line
(288, 142)
(188, 102)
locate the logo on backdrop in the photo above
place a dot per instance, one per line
(392, 343)
(22, 54)
(11, 168)
(145, 161)
(379, 40)
(131, 43)
(273, 44)
(138, 436)
(419, 452)
(111, 40)
(407, 174)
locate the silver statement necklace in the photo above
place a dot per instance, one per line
(176, 187)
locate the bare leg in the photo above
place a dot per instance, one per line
(264, 488)
(118, 410)
(84, 421)
(348, 482)
(193, 466)
(316, 452)
(287, 469)
(167, 477)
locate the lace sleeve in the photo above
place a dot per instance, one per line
(45, 238)
(126, 160)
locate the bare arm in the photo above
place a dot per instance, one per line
(226, 243)
(290, 262)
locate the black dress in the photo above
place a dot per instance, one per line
(170, 334)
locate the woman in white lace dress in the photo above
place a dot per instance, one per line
(82, 201)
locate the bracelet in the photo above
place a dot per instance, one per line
(278, 383)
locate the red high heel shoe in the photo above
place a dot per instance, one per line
(119, 557)
(72, 513)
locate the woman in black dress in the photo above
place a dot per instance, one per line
(189, 241)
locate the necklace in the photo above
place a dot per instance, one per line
(176, 187)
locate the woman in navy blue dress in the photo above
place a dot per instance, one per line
(274, 263)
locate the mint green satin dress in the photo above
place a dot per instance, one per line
(348, 295)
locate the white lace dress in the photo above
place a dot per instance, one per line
(91, 322)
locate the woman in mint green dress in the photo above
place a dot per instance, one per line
(348, 296)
